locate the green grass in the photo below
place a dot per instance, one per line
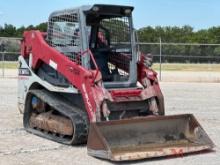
(165, 66)
(9, 65)
(187, 67)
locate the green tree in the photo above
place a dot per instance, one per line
(8, 30)
(42, 27)
(20, 31)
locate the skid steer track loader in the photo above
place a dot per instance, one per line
(84, 81)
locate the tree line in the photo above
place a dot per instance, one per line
(185, 34)
(9, 30)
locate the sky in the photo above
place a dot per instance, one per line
(200, 14)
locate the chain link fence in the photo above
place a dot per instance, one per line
(189, 56)
(9, 52)
(163, 54)
(182, 52)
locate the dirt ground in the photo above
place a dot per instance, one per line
(18, 147)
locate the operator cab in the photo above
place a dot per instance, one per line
(107, 30)
(110, 39)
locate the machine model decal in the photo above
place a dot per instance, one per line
(24, 72)
(87, 99)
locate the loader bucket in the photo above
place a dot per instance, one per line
(139, 138)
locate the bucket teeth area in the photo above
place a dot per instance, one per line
(141, 138)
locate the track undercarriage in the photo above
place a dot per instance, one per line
(54, 118)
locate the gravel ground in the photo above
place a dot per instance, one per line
(190, 76)
(19, 147)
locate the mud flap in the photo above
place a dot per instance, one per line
(139, 138)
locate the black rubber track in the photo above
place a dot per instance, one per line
(77, 116)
